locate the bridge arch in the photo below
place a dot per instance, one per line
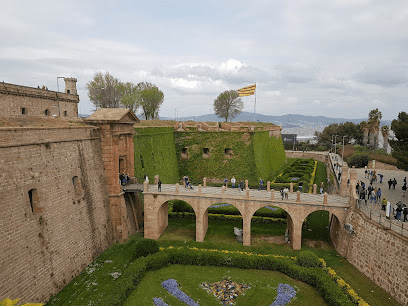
(156, 216)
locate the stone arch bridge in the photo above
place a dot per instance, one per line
(298, 206)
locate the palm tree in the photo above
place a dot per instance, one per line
(374, 118)
(364, 127)
(385, 131)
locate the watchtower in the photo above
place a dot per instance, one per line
(70, 86)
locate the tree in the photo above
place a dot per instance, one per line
(130, 95)
(228, 105)
(103, 90)
(400, 145)
(151, 98)
(374, 118)
(385, 131)
(349, 129)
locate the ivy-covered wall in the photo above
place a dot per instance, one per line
(215, 155)
(269, 154)
(240, 154)
(155, 154)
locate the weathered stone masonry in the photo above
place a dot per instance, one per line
(54, 209)
(29, 101)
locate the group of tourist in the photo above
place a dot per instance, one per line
(124, 179)
(374, 195)
(233, 182)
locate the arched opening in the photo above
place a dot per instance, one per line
(23, 111)
(224, 223)
(47, 112)
(184, 153)
(228, 152)
(315, 228)
(181, 221)
(269, 225)
(122, 165)
(206, 152)
(132, 213)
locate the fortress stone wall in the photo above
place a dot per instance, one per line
(29, 101)
(376, 251)
(55, 216)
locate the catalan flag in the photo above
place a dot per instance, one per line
(247, 91)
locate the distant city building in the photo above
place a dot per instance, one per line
(289, 138)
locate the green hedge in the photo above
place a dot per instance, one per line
(315, 277)
(155, 153)
(255, 219)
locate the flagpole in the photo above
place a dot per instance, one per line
(255, 104)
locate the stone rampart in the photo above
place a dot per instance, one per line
(376, 251)
(54, 209)
(319, 156)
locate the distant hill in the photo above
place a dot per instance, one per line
(286, 121)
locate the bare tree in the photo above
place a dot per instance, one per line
(103, 90)
(228, 105)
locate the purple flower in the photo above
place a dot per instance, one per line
(219, 205)
(159, 302)
(285, 294)
(172, 287)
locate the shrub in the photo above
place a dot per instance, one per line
(181, 206)
(308, 259)
(358, 160)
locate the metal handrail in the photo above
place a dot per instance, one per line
(380, 217)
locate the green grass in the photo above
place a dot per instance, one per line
(262, 292)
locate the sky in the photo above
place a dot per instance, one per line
(334, 58)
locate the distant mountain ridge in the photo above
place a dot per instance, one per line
(286, 121)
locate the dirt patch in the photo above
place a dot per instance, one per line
(269, 239)
(317, 244)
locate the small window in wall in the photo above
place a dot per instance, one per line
(228, 152)
(141, 161)
(23, 111)
(34, 201)
(206, 152)
(68, 90)
(47, 112)
(184, 153)
(65, 113)
(77, 185)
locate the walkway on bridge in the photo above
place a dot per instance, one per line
(298, 206)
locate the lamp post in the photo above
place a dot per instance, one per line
(335, 144)
(59, 110)
(342, 153)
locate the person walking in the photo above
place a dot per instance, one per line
(405, 212)
(389, 184)
(260, 184)
(321, 188)
(159, 185)
(300, 186)
(394, 183)
(379, 194)
(225, 182)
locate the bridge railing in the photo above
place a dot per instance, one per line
(378, 216)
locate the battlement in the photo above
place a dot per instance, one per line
(25, 91)
(191, 126)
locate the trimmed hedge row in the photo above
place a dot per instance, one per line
(255, 219)
(315, 276)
